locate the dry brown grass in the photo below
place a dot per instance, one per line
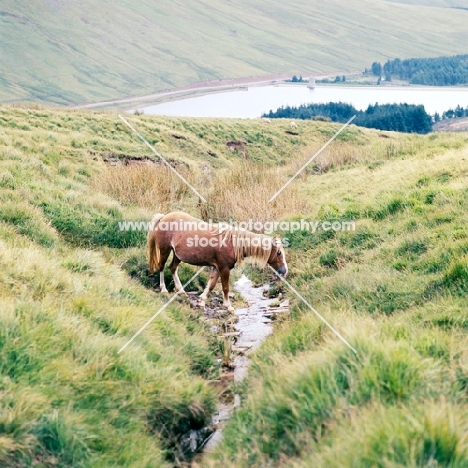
(340, 154)
(239, 193)
(244, 193)
(152, 187)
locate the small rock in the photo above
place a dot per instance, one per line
(190, 442)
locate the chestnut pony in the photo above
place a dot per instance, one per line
(198, 243)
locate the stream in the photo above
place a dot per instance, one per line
(252, 327)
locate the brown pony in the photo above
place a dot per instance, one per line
(198, 243)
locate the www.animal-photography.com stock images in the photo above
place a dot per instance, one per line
(234, 234)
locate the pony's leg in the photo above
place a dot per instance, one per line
(174, 265)
(160, 267)
(225, 283)
(162, 284)
(214, 275)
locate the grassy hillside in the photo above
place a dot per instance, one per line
(68, 52)
(74, 289)
(397, 289)
(463, 4)
(67, 306)
(68, 300)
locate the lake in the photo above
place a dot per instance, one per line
(256, 100)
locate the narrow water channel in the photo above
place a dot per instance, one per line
(254, 326)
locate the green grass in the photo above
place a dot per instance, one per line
(67, 54)
(74, 289)
(396, 289)
(67, 397)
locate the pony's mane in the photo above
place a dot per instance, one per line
(250, 246)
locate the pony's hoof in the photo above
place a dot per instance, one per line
(201, 304)
(164, 290)
(231, 309)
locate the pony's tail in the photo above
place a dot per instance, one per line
(153, 248)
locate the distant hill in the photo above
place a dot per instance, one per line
(436, 3)
(69, 52)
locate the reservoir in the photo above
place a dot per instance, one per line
(253, 101)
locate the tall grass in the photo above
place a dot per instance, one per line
(150, 186)
(67, 397)
(396, 289)
(244, 192)
(432, 435)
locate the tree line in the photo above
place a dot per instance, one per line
(451, 114)
(407, 118)
(440, 71)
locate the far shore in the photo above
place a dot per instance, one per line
(205, 87)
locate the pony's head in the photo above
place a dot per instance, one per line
(277, 259)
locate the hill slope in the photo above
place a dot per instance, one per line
(462, 4)
(74, 289)
(69, 52)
